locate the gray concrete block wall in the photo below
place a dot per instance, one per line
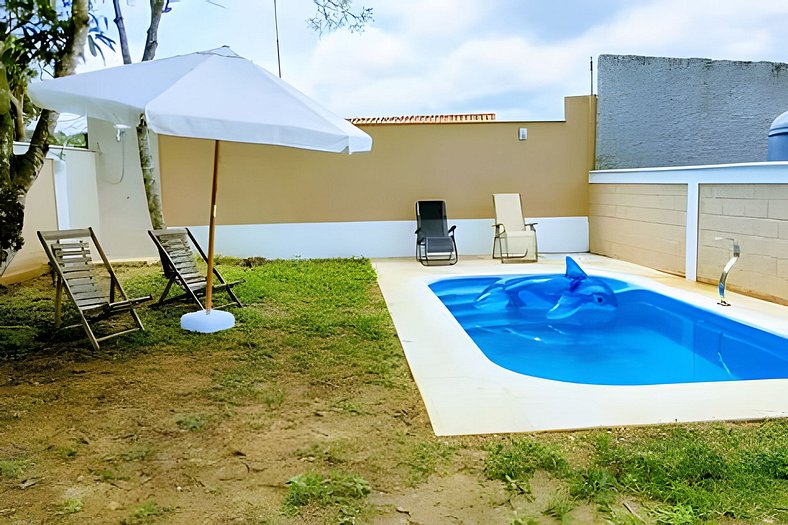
(656, 111)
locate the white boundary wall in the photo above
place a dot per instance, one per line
(379, 239)
(693, 177)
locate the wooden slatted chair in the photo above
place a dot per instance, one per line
(180, 265)
(70, 257)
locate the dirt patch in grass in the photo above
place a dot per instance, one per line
(306, 413)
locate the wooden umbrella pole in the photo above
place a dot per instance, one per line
(211, 227)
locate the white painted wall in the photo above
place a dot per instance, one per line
(75, 188)
(122, 206)
(379, 239)
(40, 214)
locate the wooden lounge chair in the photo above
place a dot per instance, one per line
(434, 239)
(180, 265)
(77, 273)
(514, 238)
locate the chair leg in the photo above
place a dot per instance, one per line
(137, 319)
(497, 241)
(194, 297)
(88, 331)
(233, 296)
(58, 302)
(166, 289)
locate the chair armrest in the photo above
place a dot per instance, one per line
(499, 228)
(531, 225)
(451, 230)
(417, 231)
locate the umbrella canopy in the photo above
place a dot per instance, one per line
(214, 94)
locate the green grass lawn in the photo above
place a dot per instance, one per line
(305, 412)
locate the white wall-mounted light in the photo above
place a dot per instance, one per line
(120, 130)
(522, 134)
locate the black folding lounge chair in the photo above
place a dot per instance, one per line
(71, 260)
(434, 239)
(180, 265)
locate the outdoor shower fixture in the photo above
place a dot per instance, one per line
(727, 269)
(120, 131)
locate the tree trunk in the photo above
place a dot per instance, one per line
(156, 8)
(152, 190)
(124, 41)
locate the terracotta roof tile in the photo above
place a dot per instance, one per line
(425, 119)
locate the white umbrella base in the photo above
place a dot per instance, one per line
(207, 321)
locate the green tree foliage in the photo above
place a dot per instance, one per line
(35, 36)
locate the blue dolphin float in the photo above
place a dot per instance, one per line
(572, 298)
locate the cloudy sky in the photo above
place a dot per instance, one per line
(516, 58)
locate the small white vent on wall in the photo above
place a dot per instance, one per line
(522, 134)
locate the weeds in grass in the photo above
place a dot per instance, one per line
(111, 475)
(16, 339)
(524, 520)
(146, 513)
(192, 422)
(559, 506)
(594, 484)
(349, 407)
(343, 490)
(704, 472)
(139, 452)
(67, 452)
(425, 458)
(70, 506)
(13, 468)
(676, 515)
(515, 462)
(330, 454)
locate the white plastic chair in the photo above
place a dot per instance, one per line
(514, 238)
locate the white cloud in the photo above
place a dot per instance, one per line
(432, 18)
(406, 68)
(447, 56)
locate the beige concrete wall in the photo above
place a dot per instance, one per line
(756, 215)
(40, 214)
(640, 223)
(463, 164)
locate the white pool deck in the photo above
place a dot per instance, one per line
(465, 393)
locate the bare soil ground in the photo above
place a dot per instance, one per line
(115, 434)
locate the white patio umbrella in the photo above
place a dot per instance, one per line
(213, 94)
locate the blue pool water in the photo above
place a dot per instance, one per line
(605, 331)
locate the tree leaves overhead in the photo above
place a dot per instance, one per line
(35, 36)
(338, 14)
(35, 32)
(11, 213)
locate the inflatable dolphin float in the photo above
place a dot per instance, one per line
(572, 298)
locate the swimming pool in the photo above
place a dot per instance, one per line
(467, 393)
(612, 333)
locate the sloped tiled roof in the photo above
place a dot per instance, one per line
(425, 119)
